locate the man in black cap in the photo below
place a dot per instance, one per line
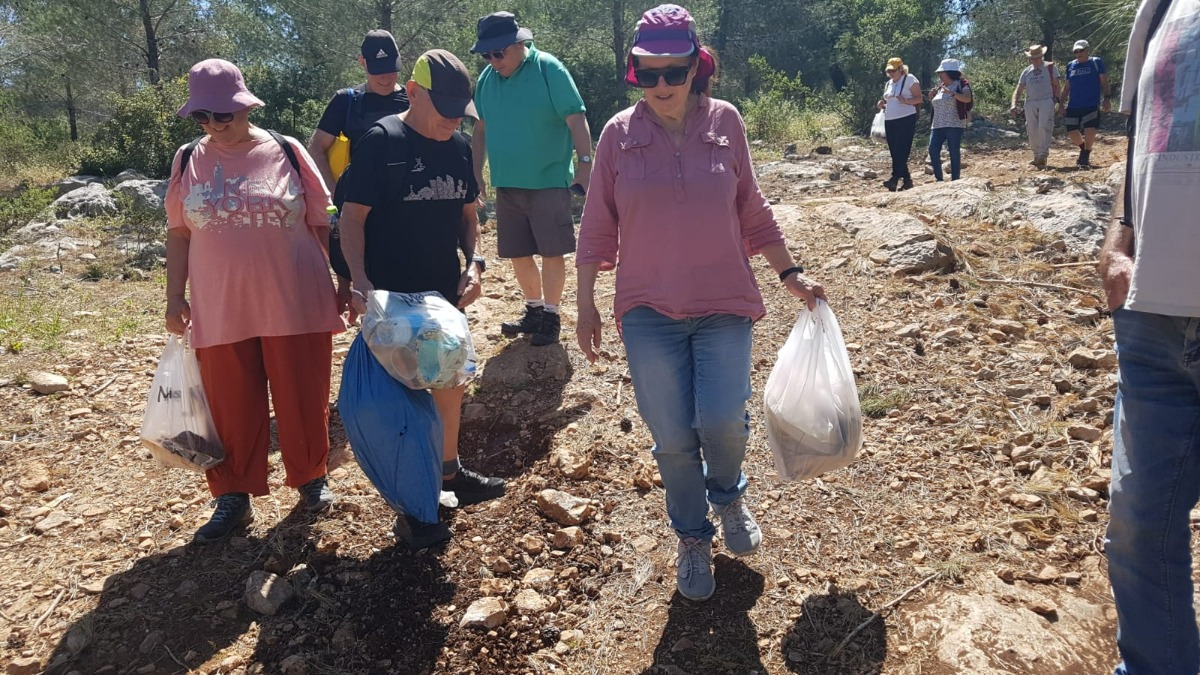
(409, 209)
(348, 116)
(534, 118)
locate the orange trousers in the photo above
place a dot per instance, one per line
(236, 378)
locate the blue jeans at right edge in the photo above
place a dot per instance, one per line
(952, 138)
(1155, 484)
(692, 380)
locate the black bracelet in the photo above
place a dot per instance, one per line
(789, 271)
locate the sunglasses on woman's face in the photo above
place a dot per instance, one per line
(208, 117)
(673, 76)
(493, 56)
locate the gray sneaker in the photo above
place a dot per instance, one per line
(693, 569)
(742, 535)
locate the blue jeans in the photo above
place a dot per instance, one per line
(692, 381)
(1155, 484)
(952, 138)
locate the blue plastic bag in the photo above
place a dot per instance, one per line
(395, 432)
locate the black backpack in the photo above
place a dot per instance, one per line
(287, 150)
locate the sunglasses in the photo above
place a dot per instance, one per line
(673, 76)
(208, 117)
(493, 56)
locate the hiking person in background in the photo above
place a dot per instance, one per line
(246, 233)
(1148, 267)
(530, 118)
(348, 116)
(1086, 83)
(951, 116)
(409, 210)
(674, 198)
(900, 104)
(1039, 83)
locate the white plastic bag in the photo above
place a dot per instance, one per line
(178, 426)
(878, 128)
(814, 422)
(420, 339)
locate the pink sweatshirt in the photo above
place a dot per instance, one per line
(678, 225)
(255, 264)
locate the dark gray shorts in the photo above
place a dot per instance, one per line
(534, 222)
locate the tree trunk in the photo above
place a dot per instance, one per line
(71, 111)
(151, 41)
(1049, 34)
(618, 49)
(724, 20)
(385, 8)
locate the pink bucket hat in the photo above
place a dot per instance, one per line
(667, 30)
(217, 85)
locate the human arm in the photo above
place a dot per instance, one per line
(354, 239)
(179, 312)
(1016, 97)
(1063, 97)
(914, 94)
(469, 285)
(589, 327)
(1106, 106)
(318, 148)
(780, 259)
(581, 137)
(1116, 258)
(330, 125)
(1055, 85)
(479, 155)
(599, 238)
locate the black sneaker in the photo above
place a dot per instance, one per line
(316, 495)
(420, 535)
(890, 184)
(531, 322)
(907, 184)
(233, 511)
(471, 488)
(549, 331)
(1085, 158)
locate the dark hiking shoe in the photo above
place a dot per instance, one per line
(316, 495)
(549, 331)
(531, 322)
(890, 184)
(233, 511)
(420, 535)
(907, 184)
(1085, 158)
(471, 488)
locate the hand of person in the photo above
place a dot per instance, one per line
(344, 305)
(806, 289)
(1106, 106)
(583, 174)
(1060, 111)
(1118, 275)
(358, 298)
(469, 286)
(881, 105)
(179, 315)
(482, 190)
(588, 329)
(1013, 111)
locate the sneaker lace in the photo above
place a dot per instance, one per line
(227, 507)
(691, 557)
(735, 517)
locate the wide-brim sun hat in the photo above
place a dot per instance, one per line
(667, 30)
(950, 65)
(217, 85)
(497, 31)
(1035, 50)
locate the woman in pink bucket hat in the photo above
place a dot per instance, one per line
(673, 196)
(248, 276)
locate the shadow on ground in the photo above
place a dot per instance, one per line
(812, 645)
(174, 612)
(716, 636)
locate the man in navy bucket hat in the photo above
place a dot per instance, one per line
(531, 117)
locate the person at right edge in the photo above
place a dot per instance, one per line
(674, 198)
(530, 117)
(1148, 267)
(900, 104)
(403, 224)
(1085, 81)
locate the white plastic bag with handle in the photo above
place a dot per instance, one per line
(814, 422)
(178, 426)
(878, 127)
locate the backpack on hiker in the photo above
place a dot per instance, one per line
(287, 150)
(964, 109)
(338, 153)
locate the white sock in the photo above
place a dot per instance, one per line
(535, 303)
(553, 309)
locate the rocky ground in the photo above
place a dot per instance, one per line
(967, 537)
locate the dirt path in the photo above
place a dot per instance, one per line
(982, 484)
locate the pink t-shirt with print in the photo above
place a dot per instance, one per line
(256, 266)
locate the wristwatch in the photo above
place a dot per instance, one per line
(479, 260)
(585, 159)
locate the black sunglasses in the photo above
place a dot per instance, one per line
(674, 76)
(493, 56)
(207, 117)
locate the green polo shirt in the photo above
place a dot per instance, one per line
(528, 142)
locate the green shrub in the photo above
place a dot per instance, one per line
(143, 133)
(23, 206)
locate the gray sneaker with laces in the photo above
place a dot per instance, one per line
(693, 569)
(742, 534)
